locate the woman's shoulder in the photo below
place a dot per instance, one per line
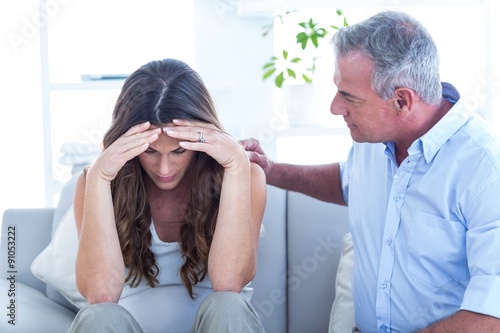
(258, 180)
(257, 172)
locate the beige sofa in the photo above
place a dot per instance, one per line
(294, 287)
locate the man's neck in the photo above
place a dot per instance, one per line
(426, 118)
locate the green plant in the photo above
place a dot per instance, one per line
(285, 65)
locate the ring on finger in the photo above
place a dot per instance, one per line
(201, 138)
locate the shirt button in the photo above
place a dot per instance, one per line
(383, 285)
(388, 241)
(383, 329)
(396, 197)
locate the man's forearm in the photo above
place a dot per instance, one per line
(319, 181)
(465, 322)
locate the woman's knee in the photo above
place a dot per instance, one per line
(102, 317)
(227, 312)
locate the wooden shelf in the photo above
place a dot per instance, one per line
(87, 85)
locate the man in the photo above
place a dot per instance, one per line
(422, 182)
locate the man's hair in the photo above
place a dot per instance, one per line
(403, 51)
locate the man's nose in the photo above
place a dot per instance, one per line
(337, 107)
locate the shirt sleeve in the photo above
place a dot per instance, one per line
(345, 171)
(483, 242)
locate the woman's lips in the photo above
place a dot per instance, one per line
(166, 179)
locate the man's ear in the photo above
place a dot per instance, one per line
(404, 99)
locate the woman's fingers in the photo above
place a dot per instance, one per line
(135, 141)
(132, 143)
(207, 138)
(191, 130)
(192, 123)
(139, 128)
(194, 137)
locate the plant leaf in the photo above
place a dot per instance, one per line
(269, 64)
(291, 73)
(322, 32)
(279, 80)
(314, 40)
(302, 38)
(285, 54)
(307, 78)
(295, 60)
(268, 73)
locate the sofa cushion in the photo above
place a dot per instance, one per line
(33, 312)
(270, 292)
(315, 231)
(64, 204)
(342, 315)
(31, 229)
(55, 265)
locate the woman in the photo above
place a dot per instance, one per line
(168, 215)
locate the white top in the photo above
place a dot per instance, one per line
(167, 307)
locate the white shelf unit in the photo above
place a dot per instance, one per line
(92, 37)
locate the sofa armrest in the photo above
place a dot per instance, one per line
(25, 232)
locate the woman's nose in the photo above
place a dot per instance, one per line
(165, 166)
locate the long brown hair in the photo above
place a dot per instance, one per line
(159, 92)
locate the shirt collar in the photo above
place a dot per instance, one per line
(432, 141)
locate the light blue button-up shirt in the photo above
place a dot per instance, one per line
(427, 233)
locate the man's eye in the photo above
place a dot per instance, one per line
(149, 151)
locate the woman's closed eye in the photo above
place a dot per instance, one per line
(179, 151)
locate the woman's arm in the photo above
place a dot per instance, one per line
(100, 270)
(232, 260)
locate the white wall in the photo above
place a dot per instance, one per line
(229, 54)
(21, 166)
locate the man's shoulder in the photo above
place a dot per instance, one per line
(479, 136)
